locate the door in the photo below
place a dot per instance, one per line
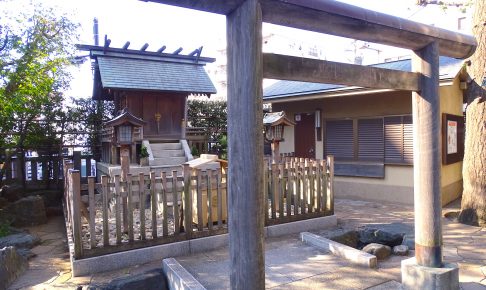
(304, 135)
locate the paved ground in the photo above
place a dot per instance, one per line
(289, 264)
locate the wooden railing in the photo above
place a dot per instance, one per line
(115, 215)
(41, 170)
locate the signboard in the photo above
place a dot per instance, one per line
(452, 138)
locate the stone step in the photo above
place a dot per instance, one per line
(167, 161)
(167, 153)
(165, 146)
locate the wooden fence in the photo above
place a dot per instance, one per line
(146, 210)
(44, 170)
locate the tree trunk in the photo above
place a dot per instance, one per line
(473, 207)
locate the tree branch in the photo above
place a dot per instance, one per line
(439, 2)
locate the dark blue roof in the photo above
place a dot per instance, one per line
(449, 67)
(147, 74)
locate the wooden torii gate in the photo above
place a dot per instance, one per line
(247, 65)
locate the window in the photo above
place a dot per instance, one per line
(398, 139)
(370, 139)
(125, 134)
(339, 139)
(384, 139)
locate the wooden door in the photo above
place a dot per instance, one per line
(304, 135)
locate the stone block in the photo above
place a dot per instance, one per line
(51, 197)
(380, 251)
(20, 240)
(415, 276)
(12, 192)
(409, 241)
(400, 250)
(345, 237)
(29, 211)
(353, 255)
(12, 265)
(371, 235)
(178, 278)
(150, 280)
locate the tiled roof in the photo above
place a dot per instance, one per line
(449, 67)
(154, 75)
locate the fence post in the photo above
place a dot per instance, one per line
(141, 204)
(153, 202)
(75, 180)
(92, 211)
(77, 160)
(330, 171)
(187, 200)
(104, 196)
(130, 208)
(67, 187)
(8, 169)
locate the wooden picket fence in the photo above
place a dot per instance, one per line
(115, 215)
(43, 171)
(298, 188)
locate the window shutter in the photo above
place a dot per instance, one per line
(393, 139)
(370, 140)
(339, 139)
(408, 139)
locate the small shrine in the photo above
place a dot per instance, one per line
(149, 90)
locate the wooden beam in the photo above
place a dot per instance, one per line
(427, 159)
(218, 6)
(161, 49)
(284, 67)
(245, 126)
(336, 18)
(340, 19)
(144, 47)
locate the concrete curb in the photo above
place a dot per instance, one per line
(351, 254)
(134, 257)
(178, 278)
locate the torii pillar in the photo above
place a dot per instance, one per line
(427, 270)
(245, 150)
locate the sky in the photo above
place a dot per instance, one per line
(156, 24)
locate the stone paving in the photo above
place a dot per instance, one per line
(289, 264)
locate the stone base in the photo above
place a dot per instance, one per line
(415, 276)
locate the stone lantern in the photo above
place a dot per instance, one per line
(274, 124)
(127, 129)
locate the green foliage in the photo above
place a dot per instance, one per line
(211, 117)
(223, 147)
(33, 74)
(195, 151)
(85, 118)
(4, 229)
(144, 152)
